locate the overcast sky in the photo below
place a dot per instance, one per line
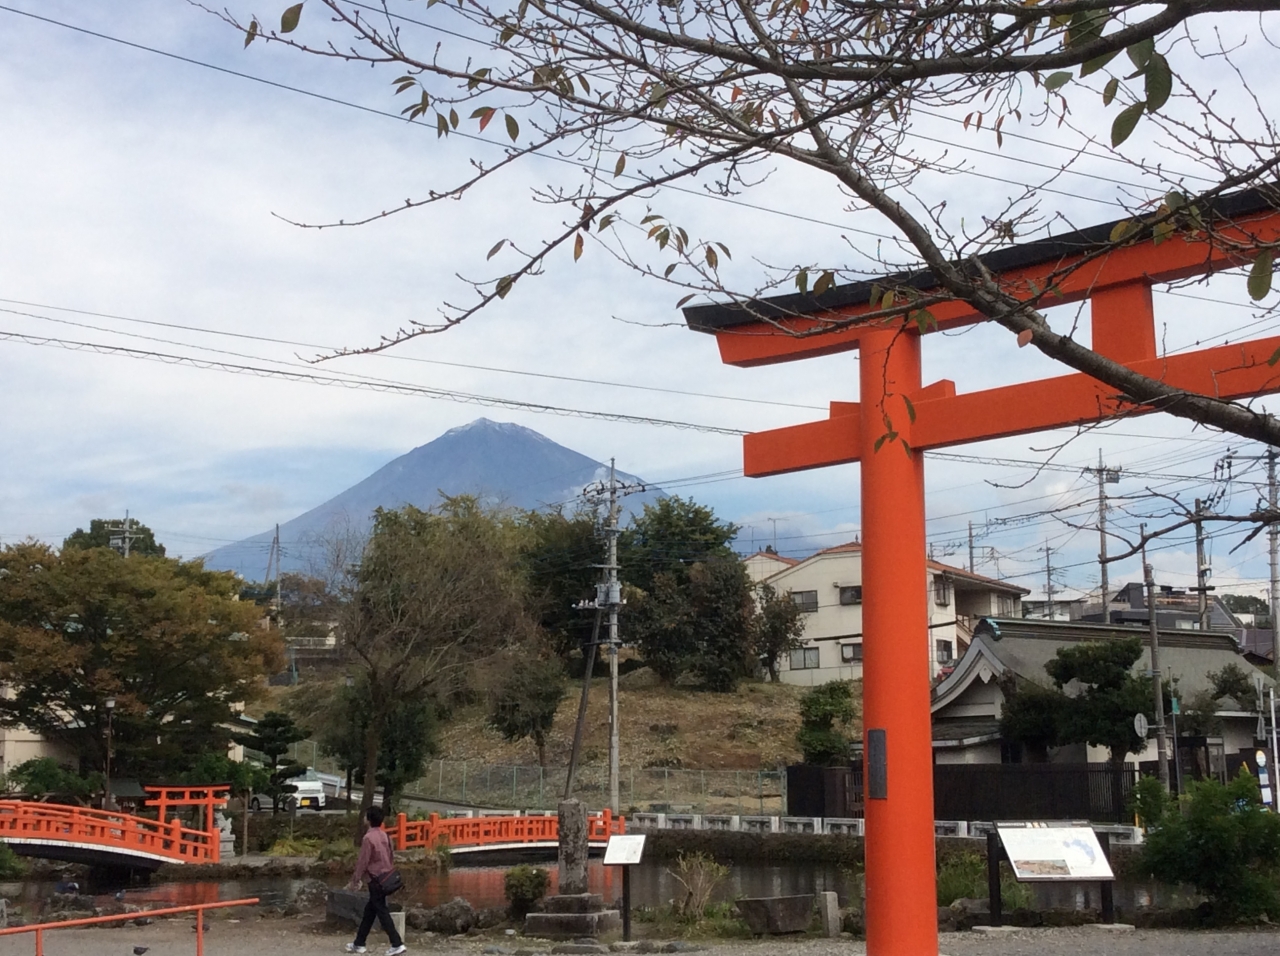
(142, 187)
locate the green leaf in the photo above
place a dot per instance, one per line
(507, 33)
(453, 118)
(712, 259)
(1174, 199)
(1260, 276)
(606, 222)
(1140, 52)
(1097, 63)
(825, 282)
(504, 286)
(289, 19)
(725, 250)
(880, 441)
(1123, 230)
(802, 280)
(1110, 90)
(911, 409)
(1125, 122)
(513, 128)
(1275, 357)
(876, 293)
(1056, 81)
(251, 34)
(620, 165)
(670, 269)
(1159, 82)
(1160, 232)
(496, 249)
(681, 303)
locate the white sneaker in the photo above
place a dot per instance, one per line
(397, 950)
(353, 948)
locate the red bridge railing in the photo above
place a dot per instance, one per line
(473, 832)
(22, 821)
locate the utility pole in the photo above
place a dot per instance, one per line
(609, 598)
(1202, 568)
(774, 522)
(972, 568)
(1048, 583)
(122, 540)
(1106, 476)
(1156, 690)
(1273, 538)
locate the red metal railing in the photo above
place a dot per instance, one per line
(39, 929)
(35, 822)
(460, 832)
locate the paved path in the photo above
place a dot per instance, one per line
(307, 936)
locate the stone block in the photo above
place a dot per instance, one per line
(397, 920)
(995, 930)
(574, 903)
(829, 911)
(578, 949)
(776, 915)
(1110, 927)
(572, 925)
(347, 906)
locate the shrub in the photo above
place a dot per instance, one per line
(523, 886)
(1149, 801)
(964, 876)
(294, 846)
(341, 850)
(1225, 843)
(699, 874)
(821, 710)
(12, 866)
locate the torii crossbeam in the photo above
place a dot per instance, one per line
(898, 759)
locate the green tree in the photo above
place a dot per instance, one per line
(44, 775)
(434, 593)
(699, 620)
(109, 533)
(1249, 604)
(272, 737)
(826, 713)
(670, 537)
(561, 561)
(693, 90)
(166, 639)
(411, 738)
(524, 705)
(779, 628)
(1223, 841)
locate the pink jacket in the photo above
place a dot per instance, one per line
(376, 857)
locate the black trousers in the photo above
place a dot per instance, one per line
(377, 907)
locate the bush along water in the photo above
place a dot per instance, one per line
(1223, 841)
(963, 875)
(523, 886)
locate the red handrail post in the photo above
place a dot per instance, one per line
(200, 931)
(39, 942)
(402, 830)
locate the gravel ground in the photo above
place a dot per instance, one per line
(309, 936)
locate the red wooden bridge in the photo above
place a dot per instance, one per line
(107, 838)
(468, 835)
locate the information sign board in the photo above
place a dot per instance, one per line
(624, 849)
(1039, 851)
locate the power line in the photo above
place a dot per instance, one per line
(377, 385)
(327, 348)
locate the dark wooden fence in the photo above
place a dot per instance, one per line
(1012, 791)
(1031, 791)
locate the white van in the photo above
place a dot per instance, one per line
(309, 793)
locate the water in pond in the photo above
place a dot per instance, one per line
(651, 884)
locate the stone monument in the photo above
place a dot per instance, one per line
(573, 912)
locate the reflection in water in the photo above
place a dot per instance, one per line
(651, 884)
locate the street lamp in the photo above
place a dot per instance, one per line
(108, 802)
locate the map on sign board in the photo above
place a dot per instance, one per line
(1046, 852)
(624, 849)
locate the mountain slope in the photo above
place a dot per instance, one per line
(504, 463)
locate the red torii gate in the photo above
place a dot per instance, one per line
(898, 759)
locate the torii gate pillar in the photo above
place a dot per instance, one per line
(897, 781)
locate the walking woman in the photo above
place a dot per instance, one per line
(375, 864)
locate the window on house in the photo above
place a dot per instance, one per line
(1006, 605)
(804, 658)
(941, 590)
(851, 653)
(851, 594)
(946, 653)
(806, 601)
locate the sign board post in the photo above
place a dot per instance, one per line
(625, 850)
(1047, 852)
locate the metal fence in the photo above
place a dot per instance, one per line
(647, 789)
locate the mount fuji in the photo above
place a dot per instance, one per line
(503, 463)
